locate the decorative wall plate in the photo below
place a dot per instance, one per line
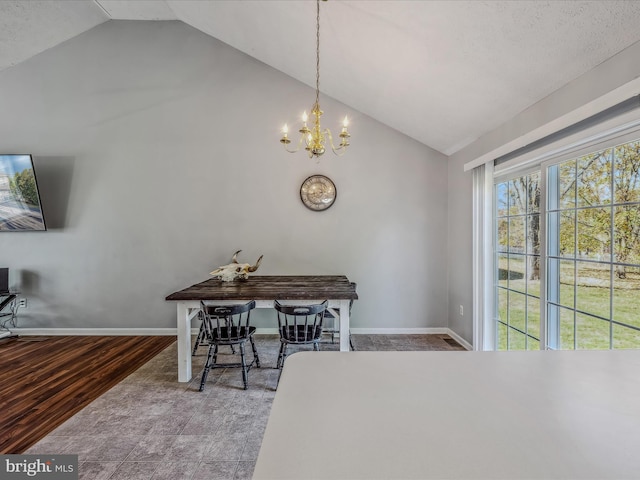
(318, 192)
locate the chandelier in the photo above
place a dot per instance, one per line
(314, 138)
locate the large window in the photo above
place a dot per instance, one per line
(592, 254)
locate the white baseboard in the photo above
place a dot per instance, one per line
(400, 331)
(259, 331)
(459, 339)
(266, 331)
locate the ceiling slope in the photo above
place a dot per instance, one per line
(442, 72)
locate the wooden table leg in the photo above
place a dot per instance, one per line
(344, 325)
(184, 343)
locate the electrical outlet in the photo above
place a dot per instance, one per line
(22, 303)
(461, 310)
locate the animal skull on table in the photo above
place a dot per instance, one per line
(235, 270)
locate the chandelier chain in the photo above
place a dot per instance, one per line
(318, 52)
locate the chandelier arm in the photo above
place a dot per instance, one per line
(298, 147)
(340, 149)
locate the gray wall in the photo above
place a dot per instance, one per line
(157, 154)
(460, 250)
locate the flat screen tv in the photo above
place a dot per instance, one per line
(20, 208)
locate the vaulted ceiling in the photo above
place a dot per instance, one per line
(441, 72)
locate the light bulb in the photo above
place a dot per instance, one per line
(304, 117)
(345, 122)
(285, 129)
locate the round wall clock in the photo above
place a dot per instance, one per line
(318, 192)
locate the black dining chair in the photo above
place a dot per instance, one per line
(333, 328)
(203, 334)
(299, 325)
(229, 325)
(202, 339)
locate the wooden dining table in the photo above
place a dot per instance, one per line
(336, 289)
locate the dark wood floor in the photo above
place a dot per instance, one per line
(46, 380)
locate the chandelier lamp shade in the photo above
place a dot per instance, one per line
(314, 138)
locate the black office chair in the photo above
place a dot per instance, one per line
(229, 325)
(8, 310)
(333, 330)
(299, 325)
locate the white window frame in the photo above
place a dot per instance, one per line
(498, 178)
(484, 337)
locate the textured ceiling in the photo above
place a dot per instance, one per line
(442, 72)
